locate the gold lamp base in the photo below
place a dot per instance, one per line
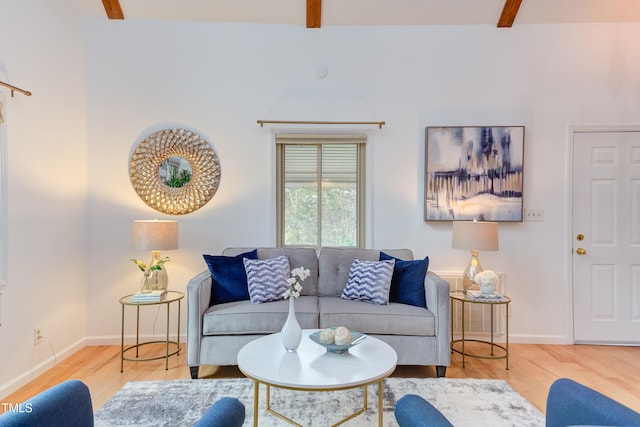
(159, 279)
(470, 272)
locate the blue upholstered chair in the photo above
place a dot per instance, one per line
(568, 404)
(225, 412)
(413, 411)
(69, 404)
(65, 404)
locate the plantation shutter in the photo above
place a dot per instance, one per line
(339, 155)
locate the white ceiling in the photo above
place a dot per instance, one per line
(376, 12)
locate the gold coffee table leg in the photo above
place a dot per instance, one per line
(380, 401)
(256, 395)
(272, 411)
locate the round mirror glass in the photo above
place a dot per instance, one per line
(175, 172)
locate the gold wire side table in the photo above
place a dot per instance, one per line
(172, 296)
(458, 346)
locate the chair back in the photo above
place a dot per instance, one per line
(65, 404)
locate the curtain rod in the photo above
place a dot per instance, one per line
(14, 88)
(293, 122)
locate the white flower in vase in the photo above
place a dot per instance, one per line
(291, 333)
(298, 275)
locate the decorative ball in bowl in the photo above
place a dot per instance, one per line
(337, 339)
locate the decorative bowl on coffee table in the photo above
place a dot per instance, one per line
(356, 338)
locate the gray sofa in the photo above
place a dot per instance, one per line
(419, 336)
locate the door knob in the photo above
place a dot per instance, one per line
(581, 251)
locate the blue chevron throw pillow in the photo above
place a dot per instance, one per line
(369, 281)
(267, 278)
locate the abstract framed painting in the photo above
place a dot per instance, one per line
(474, 172)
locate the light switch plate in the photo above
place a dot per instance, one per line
(534, 214)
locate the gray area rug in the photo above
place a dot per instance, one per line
(465, 402)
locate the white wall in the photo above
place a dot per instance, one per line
(41, 49)
(218, 79)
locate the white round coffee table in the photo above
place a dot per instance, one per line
(315, 369)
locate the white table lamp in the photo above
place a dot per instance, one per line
(474, 236)
(155, 236)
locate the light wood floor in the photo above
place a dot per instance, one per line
(614, 371)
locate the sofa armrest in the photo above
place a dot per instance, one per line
(198, 298)
(437, 295)
(571, 403)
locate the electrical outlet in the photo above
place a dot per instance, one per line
(534, 214)
(37, 335)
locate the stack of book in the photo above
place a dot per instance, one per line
(153, 296)
(477, 295)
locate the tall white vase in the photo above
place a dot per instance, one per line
(291, 333)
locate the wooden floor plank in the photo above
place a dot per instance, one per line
(611, 370)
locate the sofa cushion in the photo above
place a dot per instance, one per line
(242, 317)
(391, 319)
(334, 265)
(267, 279)
(407, 283)
(229, 279)
(369, 281)
(298, 257)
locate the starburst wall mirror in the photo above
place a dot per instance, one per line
(174, 171)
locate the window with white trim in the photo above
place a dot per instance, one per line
(320, 189)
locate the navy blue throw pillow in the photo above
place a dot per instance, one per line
(229, 279)
(407, 282)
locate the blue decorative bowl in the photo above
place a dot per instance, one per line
(356, 338)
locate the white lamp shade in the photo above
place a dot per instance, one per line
(475, 235)
(155, 235)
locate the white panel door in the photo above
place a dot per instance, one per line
(606, 237)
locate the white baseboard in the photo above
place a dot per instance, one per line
(540, 339)
(513, 339)
(518, 339)
(128, 339)
(28, 376)
(104, 340)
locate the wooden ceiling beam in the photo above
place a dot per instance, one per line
(509, 12)
(113, 9)
(314, 13)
